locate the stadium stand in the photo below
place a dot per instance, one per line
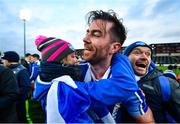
(166, 53)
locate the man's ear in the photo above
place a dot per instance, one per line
(116, 47)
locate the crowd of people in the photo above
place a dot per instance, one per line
(105, 87)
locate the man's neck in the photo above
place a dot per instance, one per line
(99, 70)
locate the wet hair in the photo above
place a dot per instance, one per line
(117, 30)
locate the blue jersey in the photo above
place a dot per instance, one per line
(120, 87)
(34, 71)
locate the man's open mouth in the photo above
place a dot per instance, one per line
(142, 65)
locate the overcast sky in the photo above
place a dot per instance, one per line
(152, 21)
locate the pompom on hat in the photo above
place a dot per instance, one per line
(53, 49)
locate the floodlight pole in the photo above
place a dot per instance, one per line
(24, 20)
(24, 15)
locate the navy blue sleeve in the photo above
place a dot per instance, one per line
(9, 90)
(24, 83)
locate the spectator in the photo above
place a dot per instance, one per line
(34, 69)
(178, 78)
(28, 65)
(170, 73)
(28, 57)
(9, 92)
(58, 54)
(11, 60)
(151, 81)
(35, 57)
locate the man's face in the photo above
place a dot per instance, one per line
(98, 44)
(29, 58)
(5, 63)
(140, 58)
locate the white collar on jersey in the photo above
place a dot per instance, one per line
(90, 76)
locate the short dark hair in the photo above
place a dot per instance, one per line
(170, 67)
(27, 54)
(118, 29)
(36, 56)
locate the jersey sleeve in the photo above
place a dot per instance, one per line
(34, 72)
(121, 87)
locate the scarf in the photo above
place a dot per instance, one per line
(50, 70)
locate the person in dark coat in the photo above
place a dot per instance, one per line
(149, 79)
(11, 60)
(8, 96)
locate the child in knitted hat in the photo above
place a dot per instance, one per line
(58, 59)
